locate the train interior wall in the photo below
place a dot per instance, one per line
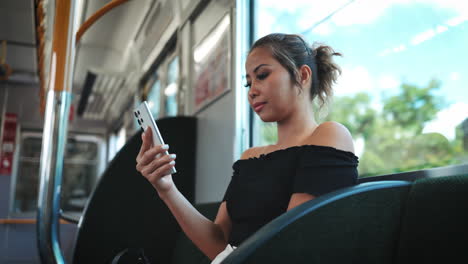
(216, 135)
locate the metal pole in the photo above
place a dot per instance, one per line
(53, 146)
(55, 132)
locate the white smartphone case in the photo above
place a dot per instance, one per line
(145, 119)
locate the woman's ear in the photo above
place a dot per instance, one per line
(306, 75)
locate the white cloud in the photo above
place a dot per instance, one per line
(292, 5)
(460, 7)
(354, 80)
(400, 48)
(266, 20)
(455, 76)
(386, 82)
(316, 13)
(385, 52)
(421, 37)
(362, 12)
(323, 29)
(313, 12)
(455, 21)
(440, 29)
(447, 120)
(359, 145)
(426, 35)
(356, 13)
(397, 49)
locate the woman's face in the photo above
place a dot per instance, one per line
(272, 94)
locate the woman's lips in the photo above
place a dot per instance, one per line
(258, 107)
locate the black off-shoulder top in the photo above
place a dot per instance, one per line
(260, 188)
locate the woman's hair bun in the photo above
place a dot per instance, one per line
(327, 71)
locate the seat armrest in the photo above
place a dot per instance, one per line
(267, 232)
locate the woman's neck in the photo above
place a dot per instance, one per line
(297, 128)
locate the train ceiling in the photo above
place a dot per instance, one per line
(17, 28)
(114, 50)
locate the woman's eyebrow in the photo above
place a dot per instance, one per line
(256, 69)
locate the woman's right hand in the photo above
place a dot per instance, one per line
(155, 165)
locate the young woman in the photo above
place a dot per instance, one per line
(285, 76)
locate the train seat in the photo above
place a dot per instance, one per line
(434, 228)
(377, 222)
(125, 212)
(420, 221)
(333, 228)
(424, 221)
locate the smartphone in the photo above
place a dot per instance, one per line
(145, 119)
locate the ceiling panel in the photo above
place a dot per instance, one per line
(116, 28)
(103, 47)
(22, 59)
(18, 18)
(18, 29)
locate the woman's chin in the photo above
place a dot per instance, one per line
(266, 118)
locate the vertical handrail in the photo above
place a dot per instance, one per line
(57, 107)
(55, 132)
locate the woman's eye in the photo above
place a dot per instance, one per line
(247, 85)
(262, 76)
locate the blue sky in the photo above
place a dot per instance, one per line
(385, 43)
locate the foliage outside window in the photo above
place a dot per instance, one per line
(154, 97)
(171, 88)
(402, 93)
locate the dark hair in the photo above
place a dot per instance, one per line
(291, 51)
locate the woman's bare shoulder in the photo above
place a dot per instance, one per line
(252, 152)
(332, 134)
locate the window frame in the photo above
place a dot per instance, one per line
(256, 127)
(101, 164)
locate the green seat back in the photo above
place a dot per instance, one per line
(360, 228)
(124, 210)
(435, 223)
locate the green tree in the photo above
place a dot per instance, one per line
(269, 133)
(393, 137)
(354, 112)
(413, 107)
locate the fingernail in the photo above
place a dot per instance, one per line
(172, 162)
(165, 146)
(158, 155)
(173, 156)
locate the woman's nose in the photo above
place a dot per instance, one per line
(252, 95)
(253, 91)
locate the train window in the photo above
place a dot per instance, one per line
(401, 93)
(154, 98)
(116, 142)
(82, 165)
(170, 91)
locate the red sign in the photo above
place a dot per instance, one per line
(71, 114)
(8, 143)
